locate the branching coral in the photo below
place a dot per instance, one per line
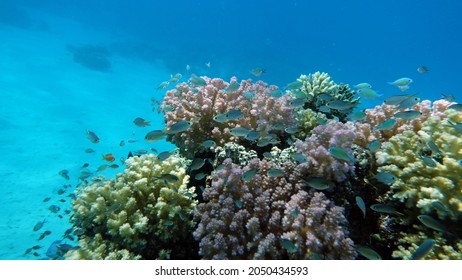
(139, 215)
(319, 161)
(250, 219)
(206, 107)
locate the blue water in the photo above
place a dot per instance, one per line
(48, 100)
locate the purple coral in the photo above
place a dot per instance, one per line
(200, 104)
(246, 220)
(319, 161)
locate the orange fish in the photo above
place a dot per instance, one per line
(109, 157)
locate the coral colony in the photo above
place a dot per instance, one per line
(299, 172)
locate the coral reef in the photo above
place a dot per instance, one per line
(268, 217)
(144, 213)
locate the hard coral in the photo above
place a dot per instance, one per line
(139, 214)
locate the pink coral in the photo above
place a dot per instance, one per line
(200, 104)
(246, 220)
(319, 161)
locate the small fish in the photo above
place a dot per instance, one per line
(325, 97)
(85, 165)
(114, 166)
(288, 245)
(295, 213)
(113, 207)
(84, 174)
(92, 136)
(294, 85)
(46, 199)
(361, 204)
(317, 183)
(238, 203)
(154, 135)
(109, 157)
(36, 247)
(433, 147)
(324, 109)
(367, 252)
(208, 64)
(385, 178)
(62, 200)
(362, 85)
(163, 85)
(163, 156)
(252, 135)
(431, 223)
(198, 81)
(208, 143)
(89, 151)
(439, 206)
(448, 97)
(172, 80)
(44, 234)
(234, 86)
(297, 102)
(257, 72)
(140, 152)
(54, 208)
(457, 107)
(168, 178)
(102, 167)
(428, 161)
(397, 99)
(67, 212)
(196, 164)
(408, 103)
(386, 125)
(341, 154)
(341, 105)
(457, 126)
(61, 191)
(141, 122)
(249, 175)
(64, 173)
(275, 172)
(177, 76)
(275, 93)
(248, 94)
(423, 249)
(234, 115)
(422, 69)
(374, 146)
(178, 127)
(131, 140)
(402, 83)
(299, 157)
(221, 118)
(188, 67)
(385, 209)
(36, 254)
(407, 115)
(357, 116)
(200, 176)
(367, 93)
(239, 131)
(291, 129)
(39, 225)
(28, 251)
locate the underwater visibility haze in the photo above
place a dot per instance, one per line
(230, 130)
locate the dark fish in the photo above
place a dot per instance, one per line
(288, 245)
(64, 173)
(178, 127)
(422, 69)
(122, 143)
(62, 200)
(317, 183)
(423, 249)
(155, 135)
(46, 199)
(196, 164)
(102, 167)
(39, 225)
(36, 254)
(457, 107)
(368, 253)
(168, 178)
(85, 165)
(141, 122)
(61, 191)
(89, 151)
(57, 250)
(28, 251)
(163, 156)
(248, 175)
(92, 136)
(44, 234)
(361, 205)
(431, 223)
(385, 209)
(114, 166)
(140, 152)
(54, 208)
(67, 211)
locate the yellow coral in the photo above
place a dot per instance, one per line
(133, 210)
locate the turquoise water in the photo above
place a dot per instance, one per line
(48, 100)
